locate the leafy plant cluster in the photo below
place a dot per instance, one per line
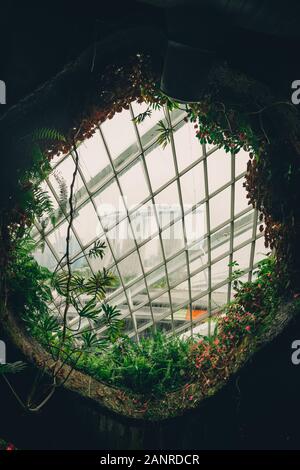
(154, 365)
(35, 291)
(161, 364)
(157, 364)
(242, 321)
(44, 299)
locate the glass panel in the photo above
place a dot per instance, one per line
(240, 200)
(183, 328)
(241, 160)
(165, 325)
(133, 184)
(93, 161)
(58, 241)
(242, 257)
(130, 268)
(137, 294)
(219, 271)
(219, 208)
(188, 147)
(160, 166)
(61, 180)
(120, 136)
(180, 295)
(200, 320)
(192, 186)
(260, 250)
(177, 269)
(218, 299)
(121, 238)
(86, 224)
(143, 222)
(198, 258)
(220, 242)
(173, 239)
(160, 305)
(195, 225)
(147, 128)
(219, 169)
(44, 257)
(151, 254)
(128, 325)
(168, 205)
(81, 266)
(110, 205)
(145, 327)
(157, 281)
(243, 228)
(120, 301)
(201, 303)
(199, 282)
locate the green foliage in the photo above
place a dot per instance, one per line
(157, 98)
(63, 194)
(28, 282)
(264, 293)
(243, 320)
(97, 284)
(155, 365)
(165, 132)
(91, 342)
(43, 326)
(32, 201)
(159, 364)
(142, 116)
(98, 250)
(46, 134)
(110, 318)
(31, 289)
(235, 274)
(12, 368)
(43, 203)
(90, 310)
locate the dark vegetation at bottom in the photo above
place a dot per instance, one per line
(258, 409)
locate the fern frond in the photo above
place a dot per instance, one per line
(63, 194)
(43, 203)
(46, 134)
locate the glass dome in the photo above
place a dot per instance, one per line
(174, 220)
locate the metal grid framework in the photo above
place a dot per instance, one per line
(170, 277)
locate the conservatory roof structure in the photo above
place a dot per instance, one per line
(175, 220)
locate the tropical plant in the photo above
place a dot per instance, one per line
(45, 297)
(154, 365)
(165, 132)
